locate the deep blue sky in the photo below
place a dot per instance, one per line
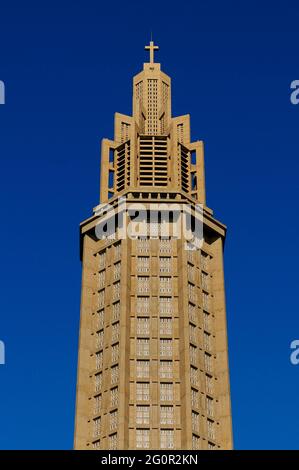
(68, 67)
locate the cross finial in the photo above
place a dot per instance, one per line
(152, 48)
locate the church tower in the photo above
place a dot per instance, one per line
(153, 363)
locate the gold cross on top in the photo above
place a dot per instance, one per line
(152, 48)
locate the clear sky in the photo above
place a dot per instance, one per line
(67, 67)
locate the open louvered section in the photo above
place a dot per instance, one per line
(153, 160)
(184, 159)
(123, 166)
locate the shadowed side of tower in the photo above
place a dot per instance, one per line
(153, 363)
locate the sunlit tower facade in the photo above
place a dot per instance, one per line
(153, 361)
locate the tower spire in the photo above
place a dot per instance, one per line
(151, 48)
(153, 323)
